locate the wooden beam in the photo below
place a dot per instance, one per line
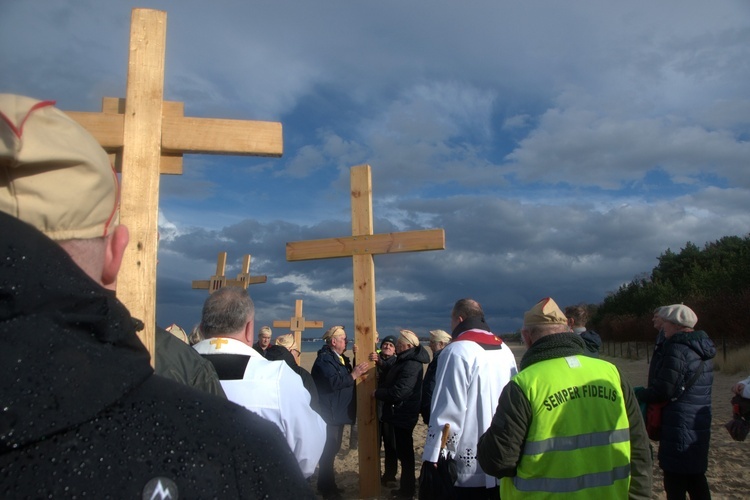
(141, 152)
(412, 241)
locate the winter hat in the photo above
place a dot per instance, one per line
(389, 338)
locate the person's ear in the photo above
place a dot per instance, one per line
(526, 338)
(115, 249)
(571, 322)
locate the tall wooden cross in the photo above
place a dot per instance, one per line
(220, 280)
(361, 246)
(297, 324)
(151, 135)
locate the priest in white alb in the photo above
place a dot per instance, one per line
(268, 388)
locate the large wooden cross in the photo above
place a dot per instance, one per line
(361, 246)
(297, 324)
(220, 280)
(151, 135)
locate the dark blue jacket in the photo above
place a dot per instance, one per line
(335, 388)
(686, 419)
(401, 390)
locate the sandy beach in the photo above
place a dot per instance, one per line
(728, 474)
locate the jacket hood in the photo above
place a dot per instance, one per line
(68, 348)
(418, 353)
(698, 341)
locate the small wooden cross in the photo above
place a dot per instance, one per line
(152, 135)
(218, 342)
(361, 246)
(219, 280)
(297, 324)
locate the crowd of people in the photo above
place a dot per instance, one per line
(84, 414)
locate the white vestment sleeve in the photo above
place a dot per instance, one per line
(304, 429)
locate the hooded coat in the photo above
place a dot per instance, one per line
(686, 419)
(401, 390)
(84, 415)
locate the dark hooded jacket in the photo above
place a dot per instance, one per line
(84, 415)
(592, 343)
(686, 419)
(401, 389)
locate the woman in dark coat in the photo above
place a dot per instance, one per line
(401, 392)
(682, 375)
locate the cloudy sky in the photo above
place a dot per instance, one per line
(563, 146)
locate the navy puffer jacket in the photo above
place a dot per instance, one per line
(686, 419)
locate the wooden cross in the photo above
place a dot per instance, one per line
(361, 246)
(297, 324)
(219, 280)
(218, 342)
(151, 135)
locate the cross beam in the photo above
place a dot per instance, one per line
(297, 324)
(219, 280)
(361, 246)
(150, 137)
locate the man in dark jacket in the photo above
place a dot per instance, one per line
(401, 393)
(83, 414)
(335, 383)
(681, 374)
(384, 360)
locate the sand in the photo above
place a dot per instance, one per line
(728, 473)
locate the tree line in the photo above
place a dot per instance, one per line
(713, 281)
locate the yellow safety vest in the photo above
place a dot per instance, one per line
(578, 441)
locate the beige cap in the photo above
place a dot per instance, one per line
(334, 331)
(545, 312)
(440, 336)
(53, 174)
(409, 337)
(678, 314)
(286, 341)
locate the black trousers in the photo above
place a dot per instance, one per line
(389, 447)
(477, 493)
(677, 486)
(405, 452)
(326, 477)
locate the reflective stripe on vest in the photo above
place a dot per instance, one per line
(578, 441)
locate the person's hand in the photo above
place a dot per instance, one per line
(374, 357)
(354, 348)
(738, 388)
(360, 370)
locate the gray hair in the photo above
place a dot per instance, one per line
(226, 311)
(538, 331)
